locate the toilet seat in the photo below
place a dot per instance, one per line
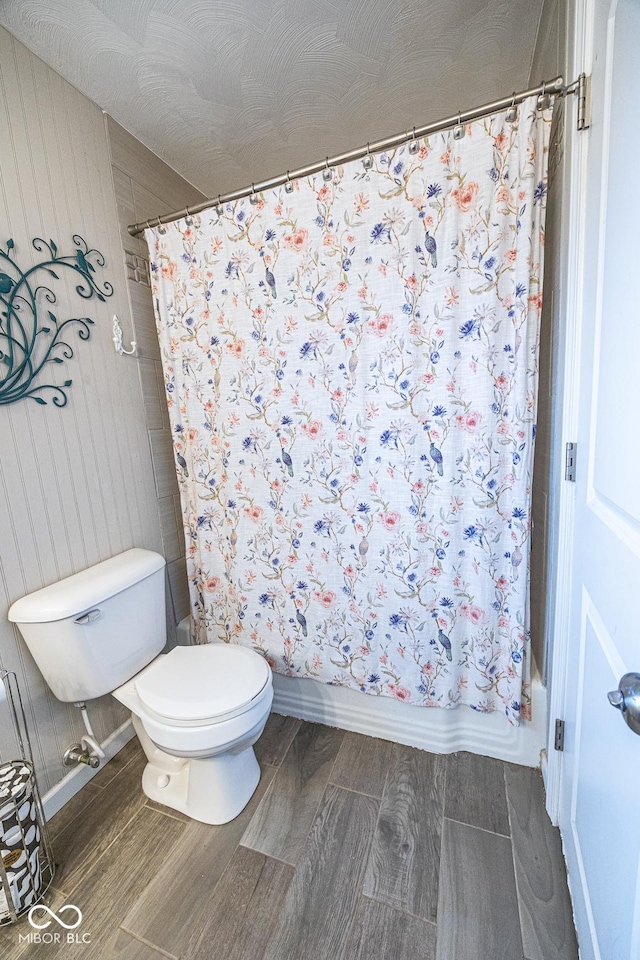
(206, 684)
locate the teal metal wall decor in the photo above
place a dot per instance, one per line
(30, 333)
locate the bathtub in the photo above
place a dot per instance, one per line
(435, 730)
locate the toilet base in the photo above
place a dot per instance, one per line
(213, 789)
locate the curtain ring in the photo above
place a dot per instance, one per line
(544, 100)
(288, 187)
(512, 112)
(458, 130)
(327, 173)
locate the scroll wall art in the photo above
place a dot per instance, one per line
(32, 337)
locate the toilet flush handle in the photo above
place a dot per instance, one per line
(88, 617)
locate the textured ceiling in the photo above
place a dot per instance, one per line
(234, 91)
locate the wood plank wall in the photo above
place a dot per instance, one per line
(77, 484)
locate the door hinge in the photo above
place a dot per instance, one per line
(584, 102)
(558, 743)
(570, 452)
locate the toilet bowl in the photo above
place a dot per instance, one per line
(197, 710)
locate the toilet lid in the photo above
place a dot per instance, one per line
(203, 682)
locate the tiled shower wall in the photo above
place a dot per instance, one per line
(548, 62)
(146, 187)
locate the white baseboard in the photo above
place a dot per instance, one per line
(63, 791)
(544, 767)
(435, 730)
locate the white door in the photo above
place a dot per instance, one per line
(600, 767)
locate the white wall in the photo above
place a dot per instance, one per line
(76, 484)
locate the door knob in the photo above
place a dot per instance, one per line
(627, 700)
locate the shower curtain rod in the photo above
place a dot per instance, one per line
(550, 87)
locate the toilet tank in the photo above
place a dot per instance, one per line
(93, 631)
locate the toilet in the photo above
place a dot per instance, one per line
(197, 710)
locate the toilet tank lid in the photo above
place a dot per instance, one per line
(75, 594)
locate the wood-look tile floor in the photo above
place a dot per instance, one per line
(351, 849)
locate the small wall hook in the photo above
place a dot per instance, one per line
(117, 339)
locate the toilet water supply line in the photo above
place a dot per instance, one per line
(88, 742)
(89, 746)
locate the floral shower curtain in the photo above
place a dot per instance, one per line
(351, 373)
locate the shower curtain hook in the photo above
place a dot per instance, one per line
(413, 146)
(219, 209)
(512, 112)
(367, 160)
(288, 187)
(188, 219)
(327, 173)
(544, 99)
(253, 196)
(458, 130)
